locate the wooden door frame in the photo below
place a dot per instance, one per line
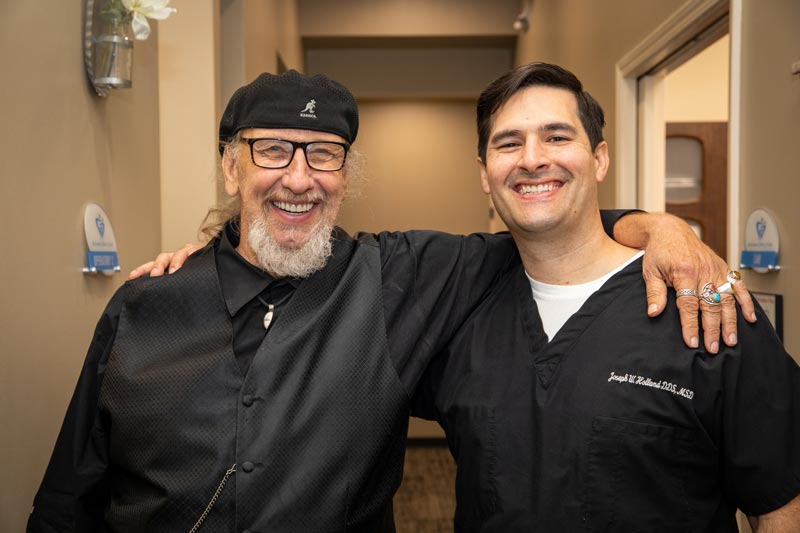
(689, 21)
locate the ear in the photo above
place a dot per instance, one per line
(484, 176)
(601, 161)
(230, 171)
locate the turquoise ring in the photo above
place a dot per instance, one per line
(710, 295)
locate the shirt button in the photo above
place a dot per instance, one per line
(247, 466)
(248, 400)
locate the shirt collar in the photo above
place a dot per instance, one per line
(240, 280)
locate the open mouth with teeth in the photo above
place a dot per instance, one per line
(294, 209)
(529, 189)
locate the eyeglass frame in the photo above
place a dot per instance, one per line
(295, 145)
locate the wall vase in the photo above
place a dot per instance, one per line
(107, 45)
(113, 57)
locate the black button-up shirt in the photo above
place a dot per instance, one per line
(248, 291)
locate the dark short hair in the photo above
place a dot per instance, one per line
(537, 74)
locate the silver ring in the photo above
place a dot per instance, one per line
(685, 292)
(710, 295)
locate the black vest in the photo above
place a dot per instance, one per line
(316, 427)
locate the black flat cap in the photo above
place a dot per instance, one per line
(291, 100)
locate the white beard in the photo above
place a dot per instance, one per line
(283, 262)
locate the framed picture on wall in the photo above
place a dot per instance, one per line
(773, 308)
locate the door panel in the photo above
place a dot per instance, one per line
(700, 200)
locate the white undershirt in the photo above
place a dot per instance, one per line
(559, 302)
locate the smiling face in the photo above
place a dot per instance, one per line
(539, 167)
(292, 208)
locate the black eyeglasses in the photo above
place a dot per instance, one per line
(278, 153)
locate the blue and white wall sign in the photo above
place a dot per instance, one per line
(100, 242)
(761, 242)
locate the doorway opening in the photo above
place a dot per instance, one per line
(666, 79)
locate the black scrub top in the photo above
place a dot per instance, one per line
(614, 425)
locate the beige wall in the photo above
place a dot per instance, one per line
(589, 37)
(697, 91)
(270, 30)
(231, 49)
(362, 18)
(443, 193)
(61, 147)
(398, 73)
(770, 129)
(188, 73)
(254, 34)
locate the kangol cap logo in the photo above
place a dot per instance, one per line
(308, 111)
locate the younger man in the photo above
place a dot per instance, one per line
(571, 410)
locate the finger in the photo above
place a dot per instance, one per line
(175, 263)
(710, 315)
(688, 310)
(179, 257)
(728, 313)
(656, 291)
(140, 270)
(160, 264)
(745, 301)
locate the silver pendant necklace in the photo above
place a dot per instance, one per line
(270, 314)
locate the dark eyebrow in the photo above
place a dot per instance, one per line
(559, 126)
(545, 128)
(504, 134)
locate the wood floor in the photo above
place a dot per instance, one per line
(426, 500)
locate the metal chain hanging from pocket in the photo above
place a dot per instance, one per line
(214, 498)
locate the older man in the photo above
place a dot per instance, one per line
(266, 385)
(567, 409)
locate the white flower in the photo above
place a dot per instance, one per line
(141, 10)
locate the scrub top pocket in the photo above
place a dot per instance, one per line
(636, 477)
